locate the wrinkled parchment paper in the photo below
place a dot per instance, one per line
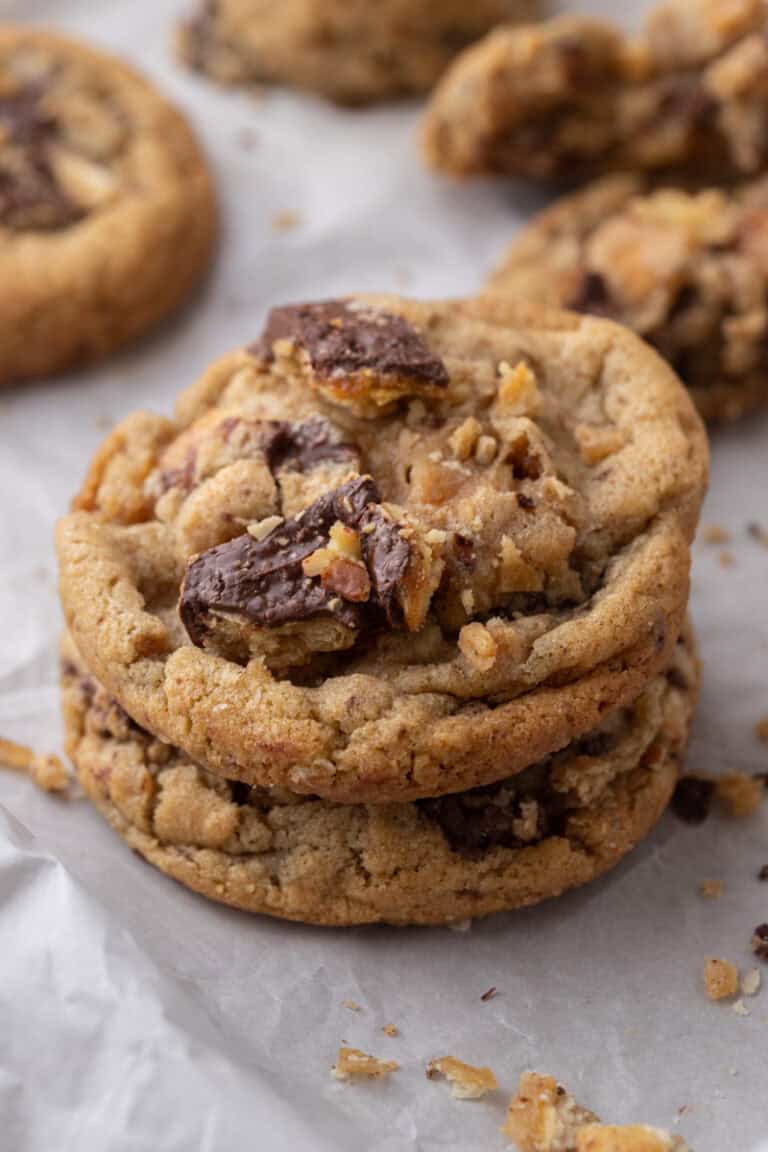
(135, 1015)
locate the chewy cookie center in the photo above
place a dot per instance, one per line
(61, 138)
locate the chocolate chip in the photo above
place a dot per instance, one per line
(29, 194)
(526, 502)
(240, 792)
(596, 744)
(677, 679)
(489, 995)
(692, 799)
(343, 339)
(476, 821)
(264, 581)
(760, 941)
(592, 295)
(300, 447)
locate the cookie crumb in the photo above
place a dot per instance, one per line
(692, 799)
(467, 1082)
(543, 1116)
(740, 1008)
(726, 559)
(352, 1005)
(711, 889)
(391, 1030)
(760, 941)
(750, 982)
(478, 646)
(757, 532)
(739, 794)
(761, 729)
(715, 534)
(285, 221)
(518, 392)
(46, 770)
(352, 1064)
(721, 979)
(627, 1138)
(489, 995)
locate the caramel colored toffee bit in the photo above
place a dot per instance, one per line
(354, 352)
(294, 573)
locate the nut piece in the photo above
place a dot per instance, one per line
(45, 770)
(260, 529)
(597, 443)
(721, 979)
(467, 1082)
(464, 439)
(478, 646)
(352, 1064)
(543, 1117)
(740, 795)
(518, 392)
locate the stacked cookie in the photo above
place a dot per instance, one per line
(389, 622)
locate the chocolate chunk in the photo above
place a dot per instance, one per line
(476, 821)
(240, 792)
(526, 502)
(677, 680)
(300, 447)
(264, 580)
(29, 194)
(597, 744)
(692, 799)
(343, 339)
(592, 295)
(760, 941)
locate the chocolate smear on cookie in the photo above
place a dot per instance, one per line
(268, 583)
(30, 196)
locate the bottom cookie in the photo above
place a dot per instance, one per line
(554, 826)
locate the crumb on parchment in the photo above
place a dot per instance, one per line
(750, 982)
(721, 978)
(467, 1082)
(45, 769)
(739, 794)
(391, 1030)
(352, 1005)
(352, 1064)
(761, 729)
(711, 889)
(544, 1117)
(715, 534)
(285, 221)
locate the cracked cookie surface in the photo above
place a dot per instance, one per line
(349, 50)
(687, 271)
(574, 97)
(557, 825)
(106, 207)
(391, 549)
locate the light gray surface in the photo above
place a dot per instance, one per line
(135, 1016)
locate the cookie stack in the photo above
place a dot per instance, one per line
(389, 623)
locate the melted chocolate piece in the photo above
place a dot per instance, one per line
(592, 295)
(29, 194)
(760, 941)
(476, 821)
(692, 799)
(300, 447)
(345, 340)
(264, 580)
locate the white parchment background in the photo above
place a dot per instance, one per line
(136, 1016)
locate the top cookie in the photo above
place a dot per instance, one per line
(688, 271)
(573, 97)
(352, 51)
(106, 207)
(392, 549)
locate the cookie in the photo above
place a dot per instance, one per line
(392, 548)
(351, 51)
(557, 825)
(687, 271)
(573, 97)
(106, 207)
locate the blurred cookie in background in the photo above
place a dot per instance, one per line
(107, 212)
(687, 271)
(351, 51)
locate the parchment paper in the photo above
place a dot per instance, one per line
(135, 1015)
